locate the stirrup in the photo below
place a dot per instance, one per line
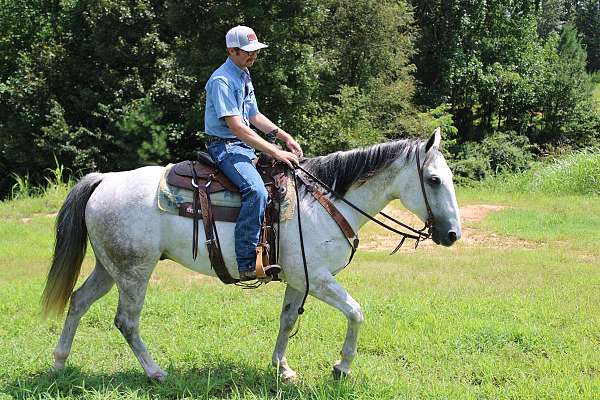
(271, 270)
(266, 273)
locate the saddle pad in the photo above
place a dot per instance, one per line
(170, 197)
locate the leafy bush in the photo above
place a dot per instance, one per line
(502, 152)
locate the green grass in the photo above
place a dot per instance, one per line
(575, 173)
(468, 322)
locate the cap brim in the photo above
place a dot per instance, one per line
(254, 46)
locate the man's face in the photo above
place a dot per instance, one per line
(241, 58)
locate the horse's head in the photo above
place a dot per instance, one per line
(435, 180)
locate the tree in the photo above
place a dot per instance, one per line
(115, 84)
(567, 89)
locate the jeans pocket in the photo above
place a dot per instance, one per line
(217, 151)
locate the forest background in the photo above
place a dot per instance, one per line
(111, 84)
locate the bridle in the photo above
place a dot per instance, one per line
(430, 218)
(417, 234)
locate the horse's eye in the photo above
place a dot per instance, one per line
(434, 180)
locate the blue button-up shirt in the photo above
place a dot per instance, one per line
(229, 91)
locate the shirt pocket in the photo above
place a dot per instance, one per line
(249, 100)
(239, 97)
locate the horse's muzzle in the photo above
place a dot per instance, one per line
(445, 239)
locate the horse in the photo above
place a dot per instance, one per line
(118, 212)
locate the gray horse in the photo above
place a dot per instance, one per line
(129, 235)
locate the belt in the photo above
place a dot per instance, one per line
(213, 139)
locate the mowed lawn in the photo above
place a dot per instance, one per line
(514, 314)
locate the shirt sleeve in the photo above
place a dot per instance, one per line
(223, 98)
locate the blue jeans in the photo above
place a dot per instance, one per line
(234, 159)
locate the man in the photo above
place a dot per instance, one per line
(230, 109)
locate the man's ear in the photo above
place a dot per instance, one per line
(434, 140)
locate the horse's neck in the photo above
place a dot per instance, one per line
(371, 196)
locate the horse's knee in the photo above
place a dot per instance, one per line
(288, 322)
(356, 315)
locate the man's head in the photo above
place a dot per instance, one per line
(243, 46)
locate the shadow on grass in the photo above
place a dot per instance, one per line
(223, 379)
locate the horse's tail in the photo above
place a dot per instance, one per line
(69, 247)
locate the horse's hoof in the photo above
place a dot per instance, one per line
(159, 376)
(288, 376)
(338, 374)
(57, 367)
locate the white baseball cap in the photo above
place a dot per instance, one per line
(244, 38)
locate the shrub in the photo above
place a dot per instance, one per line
(502, 152)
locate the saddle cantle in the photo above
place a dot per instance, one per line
(203, 177)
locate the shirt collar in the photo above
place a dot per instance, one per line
(237, 70)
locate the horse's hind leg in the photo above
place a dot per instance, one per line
(131, 300)
(289, 315)
(96, 285)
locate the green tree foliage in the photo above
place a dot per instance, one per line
(587, 22)
(567, 99)
(481, 58)
(584, 14)
(503, 70)
(116, 84)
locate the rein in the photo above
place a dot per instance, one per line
(418, 235)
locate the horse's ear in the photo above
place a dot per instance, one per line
(434, 140)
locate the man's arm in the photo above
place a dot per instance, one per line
(265, 125)
(247, 135)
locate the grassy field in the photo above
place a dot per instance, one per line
(515, 317)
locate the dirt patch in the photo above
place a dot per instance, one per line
(471, 235)
(28, 219)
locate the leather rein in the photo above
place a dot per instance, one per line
(417, 234)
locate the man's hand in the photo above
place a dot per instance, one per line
(294, 147)
(289, 158)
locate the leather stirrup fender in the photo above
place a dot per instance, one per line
(212, 242)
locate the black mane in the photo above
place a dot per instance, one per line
(342, 169)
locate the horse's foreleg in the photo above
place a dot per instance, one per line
(289, 315)
(96, 285)
(330, 292)
(131, 300)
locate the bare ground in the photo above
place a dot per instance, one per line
(471, 234)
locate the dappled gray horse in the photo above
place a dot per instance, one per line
(129, 235)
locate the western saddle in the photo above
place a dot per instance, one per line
(203, 178)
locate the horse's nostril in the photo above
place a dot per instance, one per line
(452, 236)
